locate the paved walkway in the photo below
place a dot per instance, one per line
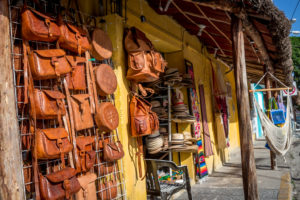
(226, 182)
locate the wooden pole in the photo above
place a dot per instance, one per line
(11, 184)
(270, 89)
(247, 154)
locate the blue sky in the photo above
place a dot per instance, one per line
(288, 6)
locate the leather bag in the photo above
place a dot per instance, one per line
(112, 151)
(106, 80)
(59, 185)
(82, 112)
(136, 41)
(101, 45)
(86, 154)
(37, 26)
(143, 121)
(108, 190)
(145, 66)
(76, 78)
(107, 117)
(52, 143)
(48, 104)
(88, 187)
(73, 39)
(48, 64)
(106, 168)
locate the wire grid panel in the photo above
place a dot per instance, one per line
(49, 166)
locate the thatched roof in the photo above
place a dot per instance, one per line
(269, 44)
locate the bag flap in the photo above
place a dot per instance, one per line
(74, 60)
(81, 98)
(61, 175)
(86, 179)
(49, 53)
(54, 94)
(76, 29)
(81, 141)
(114, 146)
(41, 15)
(55, 133)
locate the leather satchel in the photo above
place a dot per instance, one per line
(112, 151)
(101, 45)
(48, 64)
(143, 121)
(48, 104)
(82, 112)
(106, 80)
(52, 143)
(86, 154)
(73, 39)
(37, 26)
(107, 117)
(106, 168)
(59, 185)
(145, 66)
(108, 190)
(76, 78)
(88, 187)
(136, 41)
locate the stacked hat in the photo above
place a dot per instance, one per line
(177, 139)
(187, 81)
(172, 76)
(154, 143)
(160, 110)
(188, 139)
(183, 142)
(180, 110)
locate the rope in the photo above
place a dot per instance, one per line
(276, 79)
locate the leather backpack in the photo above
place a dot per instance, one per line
(38, 26)
(52, 143)
(48, 64)
(112, 151)
(107, 117)
(136, 41)
(83, 118)
(48, 104)
(73, 39)
(88, 187)
(59, 185)
(106, 80)
(143, 121)
(101, 45)
(76, 78)
(108, 190)
(86, 154)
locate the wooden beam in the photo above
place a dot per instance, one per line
(256, 37)
(202, 17)
(270, 89)
(247, 153)
(11, 184)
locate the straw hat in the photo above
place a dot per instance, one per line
(154, 143)
(163, 130)
(155, 104)
(188, 139)
(177, 138)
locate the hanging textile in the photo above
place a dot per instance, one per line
(278, 138)
(194, 102)
(220, 132)
(206, 135)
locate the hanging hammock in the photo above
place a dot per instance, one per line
(278, 138)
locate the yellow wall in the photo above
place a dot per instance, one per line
(171, 39)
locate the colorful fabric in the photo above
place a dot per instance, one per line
(201, 165)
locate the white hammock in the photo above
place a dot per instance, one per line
(279, 138)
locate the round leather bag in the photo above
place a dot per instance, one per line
(106, 80)
(107, 117)
(101, 45)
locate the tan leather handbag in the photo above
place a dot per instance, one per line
(112, 151)
(52, 143)
(86, 154)
(143, 121)
(106, 80)
(76, 78)
(107, 117)
(37, 26)
(106, 168)
(73, 39)
(82, 112)
(145, 66)
(108, 190)
(48, 64)
(88, 187)
(101, 45)
(59, 185)
(48, 104)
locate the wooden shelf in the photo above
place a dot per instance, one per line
(187, 121)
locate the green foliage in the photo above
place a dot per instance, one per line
(296, 58)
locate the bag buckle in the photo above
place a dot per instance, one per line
(82, 153)
(59, 142)
(47, 22)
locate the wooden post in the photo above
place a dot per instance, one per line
(247, 154)
(11, 183)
